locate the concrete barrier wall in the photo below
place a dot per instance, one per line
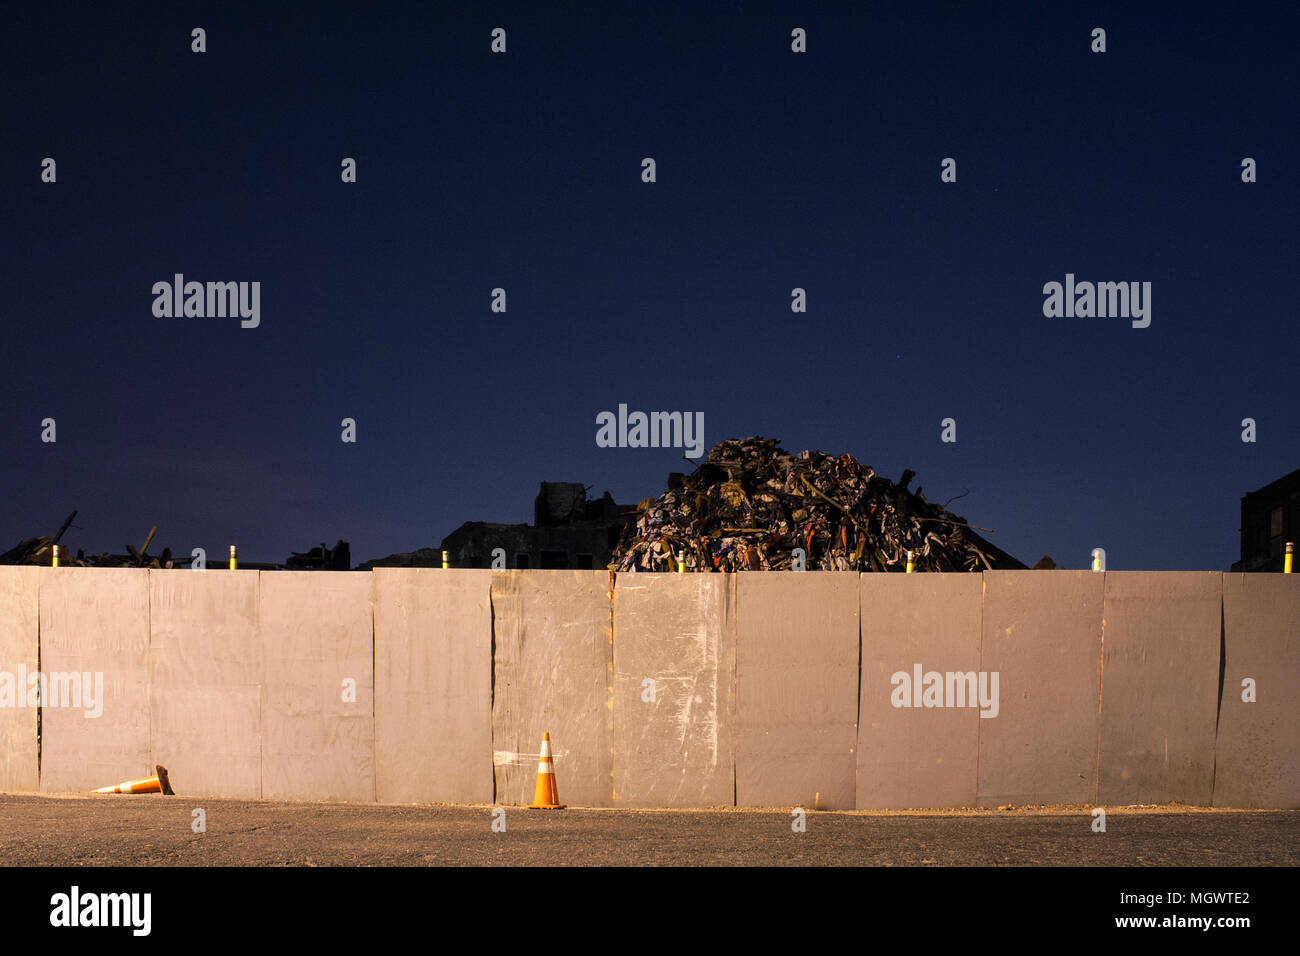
(553, 673)
(1042, 635)
(1257, 753)
(205, 682)
(674, 690)
(318, 699)
(19, 617)
(917, 755)
(796, 689)
(1159, 687)
(95, 622)
(435, 686)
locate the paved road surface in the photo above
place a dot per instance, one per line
(156, 830)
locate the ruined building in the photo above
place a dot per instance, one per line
(569, 530)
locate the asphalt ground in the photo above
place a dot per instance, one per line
(153, 830)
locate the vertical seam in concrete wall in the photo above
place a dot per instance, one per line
(261, 685)
(374, 685)
(1223, 658)
(1218, 709)
(1101, 687)
(612, 699)
(733, 599)
(492, 681)
(984, 590)
(733, 715)
(857, 713)
(39, 702)
(733, 712)
(148, 688)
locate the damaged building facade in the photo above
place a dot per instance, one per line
(1270, 517)
(569, 531)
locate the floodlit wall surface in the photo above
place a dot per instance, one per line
(913, 752)
(674, 690)
(19, 614)
(1257, 755)
(317, 647)
(796, 689)
(205, 681)
(433, 685)
(95, 621)
(760, 689)
(1159, 686)
(554, 666)
(1042, 635)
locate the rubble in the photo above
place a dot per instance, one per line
(337, 558)
(750, 504)
(40, 551)
(420, 558)
(36, 550)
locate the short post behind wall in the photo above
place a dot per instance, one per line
(1290, 554)
(234, 558)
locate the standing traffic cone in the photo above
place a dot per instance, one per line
(547, 794)
(155, 784)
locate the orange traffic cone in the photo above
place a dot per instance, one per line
(155, 784)
(547, 794)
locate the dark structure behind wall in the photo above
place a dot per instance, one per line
(569, 531)
(1270, 517)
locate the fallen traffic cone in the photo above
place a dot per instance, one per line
(547, 794)
(155, 784)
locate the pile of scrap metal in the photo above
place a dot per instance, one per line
(750, 505)
(40, 551)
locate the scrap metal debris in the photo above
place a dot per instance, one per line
(40, 551)
(337, 558)
(36, 550)
(750, 504)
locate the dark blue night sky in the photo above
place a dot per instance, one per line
(522, 171)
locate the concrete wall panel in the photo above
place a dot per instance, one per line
(433, 685)
(1257, 754)
(553, 674)
(1160, 686)
(19, 617)
(677, 749)
(205, 686)
(796, 689)
(910, 756)
(317, 633)
(1042, 634)
(96, 621)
